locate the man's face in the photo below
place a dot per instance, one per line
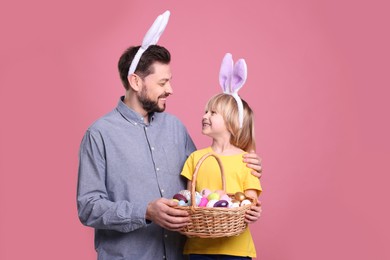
(156, 88)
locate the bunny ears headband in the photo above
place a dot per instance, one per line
(231, 78)
(150, 38)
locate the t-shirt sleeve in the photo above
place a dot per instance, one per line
(251, 182)
(188, 168)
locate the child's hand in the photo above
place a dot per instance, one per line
(253, 214)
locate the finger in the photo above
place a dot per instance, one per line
(176, 223)
(257, 207)
(177, 216)
(251, 159)
(250, 220)
(177, 212)
(252, 156)
(258, 204)
(258, 171)
(254, 213)
(256, 174)
(172, 203)
(169, 202)
(254, 166)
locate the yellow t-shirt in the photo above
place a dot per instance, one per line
(238, 178)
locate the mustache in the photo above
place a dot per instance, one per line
(165, 95)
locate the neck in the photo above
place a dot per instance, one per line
(132, 102)
(223, 147)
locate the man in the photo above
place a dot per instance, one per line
(130, 164)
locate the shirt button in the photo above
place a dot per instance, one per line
(164, 257)
(162, 191)
(152, 148)
(157, 169)
(165, 235)
(146, 128)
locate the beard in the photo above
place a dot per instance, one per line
(149, 105)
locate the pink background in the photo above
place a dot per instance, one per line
(318, 82)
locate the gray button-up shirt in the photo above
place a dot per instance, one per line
(124, 165)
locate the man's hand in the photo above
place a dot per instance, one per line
(253, 214)
(253, 161)
(162, 213)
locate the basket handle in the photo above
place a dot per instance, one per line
(195, 174)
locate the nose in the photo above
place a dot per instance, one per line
(206, 115)
(168, 88)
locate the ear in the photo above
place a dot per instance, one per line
(135, 82)
(226, 72)
(239, 75)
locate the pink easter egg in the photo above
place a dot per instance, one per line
(205, 193)
(225, 197)
(203, 202)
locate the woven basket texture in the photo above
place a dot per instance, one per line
(214, 222)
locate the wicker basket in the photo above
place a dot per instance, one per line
(214, 222)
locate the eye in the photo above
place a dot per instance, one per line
(162, 83)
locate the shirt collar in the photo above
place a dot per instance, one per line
(132, 116)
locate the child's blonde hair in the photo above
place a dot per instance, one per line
(226, 105)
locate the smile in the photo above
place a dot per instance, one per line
(204, 124)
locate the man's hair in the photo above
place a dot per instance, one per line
(154, 53)
(226, 105)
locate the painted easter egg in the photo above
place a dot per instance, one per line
(225, 197)
(205, 192)
(245, 202)
(213, 196)
(186, 193)
(211, 203)
(234, 205)
(179, 197)
(182, 203)
(203, 202)
(240, 196)
(221, 203)
(198, 198)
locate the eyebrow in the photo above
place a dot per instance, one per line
(165, 79)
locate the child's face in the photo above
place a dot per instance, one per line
(213, 124)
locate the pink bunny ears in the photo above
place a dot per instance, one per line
(151, 38)
(232, 78)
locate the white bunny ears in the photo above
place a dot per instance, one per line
(151, 38)
(232, 78)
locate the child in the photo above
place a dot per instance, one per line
(228, 120)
